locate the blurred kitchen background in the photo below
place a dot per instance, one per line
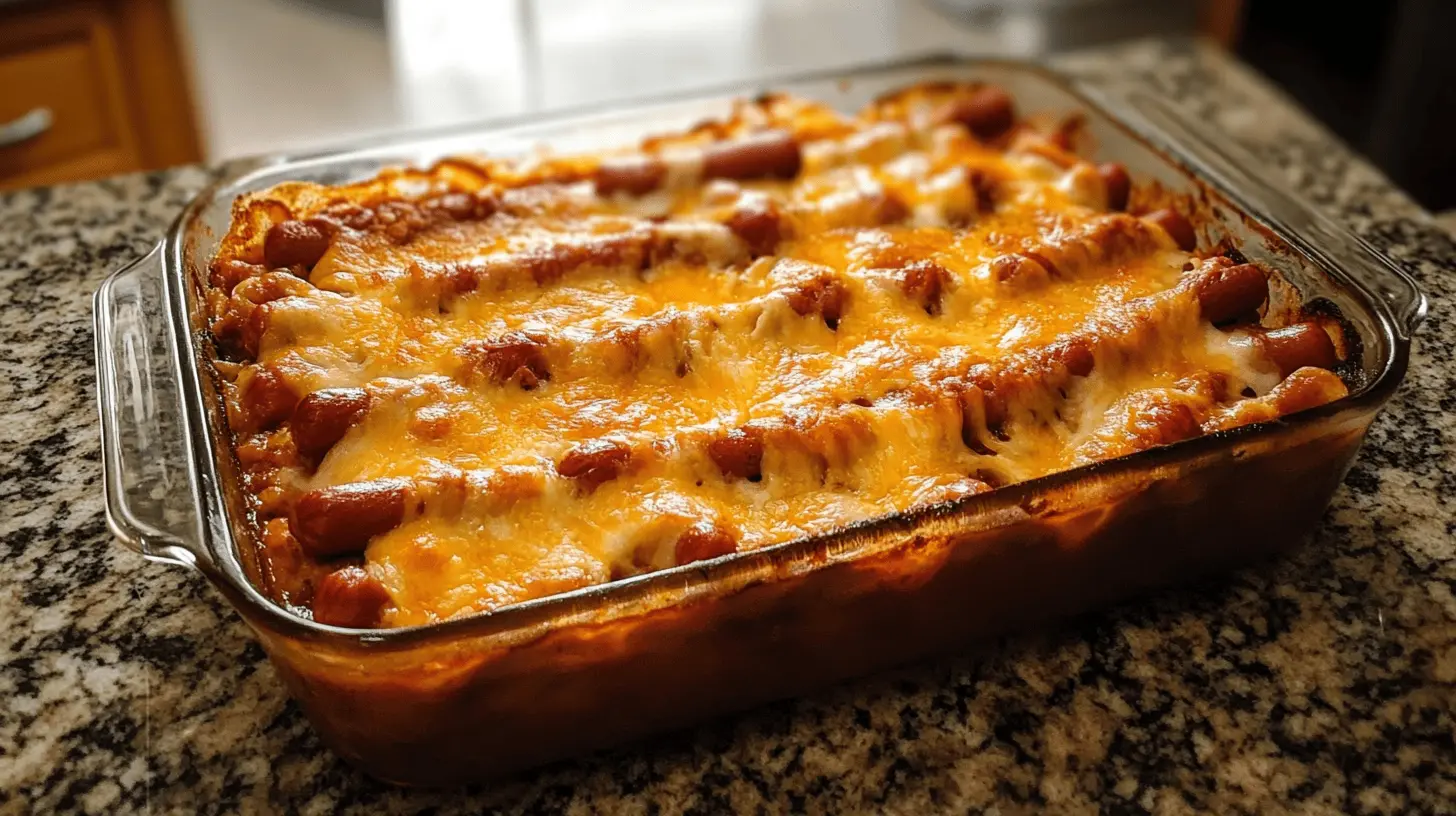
(94, 87)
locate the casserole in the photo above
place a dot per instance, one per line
(567, 673)
(458, 388)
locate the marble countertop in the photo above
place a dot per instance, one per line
(1323, 682)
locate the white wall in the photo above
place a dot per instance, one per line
(276, 75)
(271, 75)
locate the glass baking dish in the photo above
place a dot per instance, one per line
(476, 697)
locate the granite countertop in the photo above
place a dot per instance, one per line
(1323, 682)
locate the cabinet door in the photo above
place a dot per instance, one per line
(90, 88)
(64, 109)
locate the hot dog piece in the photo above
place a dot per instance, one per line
(463, 206)
(548, 264)
(323, 417)
(297, 243)
(924, 283)
(255, 327)
(771, 154)
(1177, 226)
(1306, 388)
(887, 208)
(350, 597)
(983, 413)
(986, 187)
(592, 463)
(248, 309)
(1086, 248)
(1022, 271)
(1229, 292)
(340, 520)
(987, 112)
(349, 214)
(739, 452)
(634, 175)
(1117, 183)
(702, 541)
(515, 357)
(1140, 421)
(823, 295)
(1160, 422)
(1076, 355)
(626, 250)
(267, 399)
(226, 275)
(1294, 347)
(271, 286)
(759, 224)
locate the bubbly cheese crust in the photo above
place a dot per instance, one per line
(556, 380)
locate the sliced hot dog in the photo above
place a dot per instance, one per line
(983, 413)
(1306, 388)
(1076, 355)
(255, 327)
(702, 541)
(824, 295)
(1294, 347)
(297, 243)
(323, 417)
(759, 224)
(514, 357)
(634, 175)
(1228, 292)
(267, 399)
(924, 283)
(1117, 183)
(340, 520)
(350, 597)
(739, 452)
(593, 463)
(1022, 271)
(771, 154)
(986, 112)
(1178, 227)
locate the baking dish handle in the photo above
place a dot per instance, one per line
(148, 486)
(1250, 184)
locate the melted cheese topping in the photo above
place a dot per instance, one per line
(866, 416)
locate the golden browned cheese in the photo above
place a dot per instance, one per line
(568, 370)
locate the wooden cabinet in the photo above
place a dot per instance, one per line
(1221, 20)
(90, 89)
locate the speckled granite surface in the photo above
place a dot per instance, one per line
(1323, 683)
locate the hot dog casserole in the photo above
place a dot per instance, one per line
(455, 389)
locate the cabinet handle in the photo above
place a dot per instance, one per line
(25, 127)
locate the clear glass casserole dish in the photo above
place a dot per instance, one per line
(476, 697)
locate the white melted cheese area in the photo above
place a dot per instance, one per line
(750, 357)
